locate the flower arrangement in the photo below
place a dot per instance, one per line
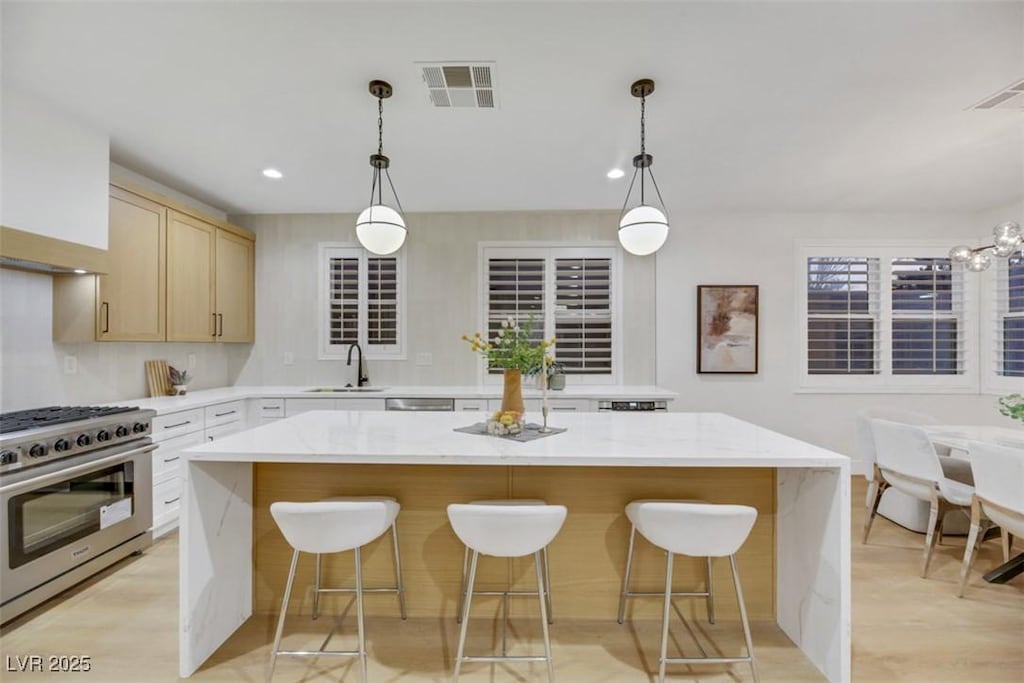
(505, 423)
(512, 348)
(1012, 406)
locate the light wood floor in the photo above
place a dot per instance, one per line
(904, 629)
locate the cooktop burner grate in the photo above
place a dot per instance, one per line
(22, 420)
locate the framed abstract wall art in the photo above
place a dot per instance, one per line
(727, 322)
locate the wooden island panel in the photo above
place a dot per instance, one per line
(587, 558)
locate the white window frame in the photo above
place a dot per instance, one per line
(327, 351)
(549, 251)
(991, 382)
(884, 381)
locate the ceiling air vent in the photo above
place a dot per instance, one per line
(465, 85)
(1007, 98)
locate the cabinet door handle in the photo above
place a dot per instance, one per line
(106, 317)
(214, 324)
(172, 500)
(177, 457)
(220, 319)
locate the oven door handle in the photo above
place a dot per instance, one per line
(59, 475)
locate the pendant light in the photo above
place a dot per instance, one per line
(381, 228)
(644, 228)
(1007, 239)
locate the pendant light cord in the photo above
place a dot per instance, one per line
(643, 144)
(380, 148)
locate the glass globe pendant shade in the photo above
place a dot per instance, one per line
(380, 229)
(960, 253)
(1005, 248)
(978, 262)
(1007, 231)
(643, 230)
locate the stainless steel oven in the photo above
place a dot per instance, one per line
(66, 519)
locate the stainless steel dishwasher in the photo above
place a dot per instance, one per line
(420, 404)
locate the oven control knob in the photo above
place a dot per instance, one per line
(38, 450)
(121, 431)
(84, 440)
(103, 435)
(139, 427)
(61, 445)
(8, 457)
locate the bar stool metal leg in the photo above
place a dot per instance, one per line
(547, 585)
(743, 617)
(664, 619)
(711, 595)
(467, 604)
(359, 614)
(543, 590)
(284, 611)
(625, 577)
(462, 584)
(398, 570)
(316, 589)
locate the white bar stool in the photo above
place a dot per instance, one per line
(505, 531)
(505, 594)
(709, 593)
(393, 509)
(697, 530)
(328, 527)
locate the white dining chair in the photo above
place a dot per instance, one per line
(908, 462)
(998, 500)
(896, 506)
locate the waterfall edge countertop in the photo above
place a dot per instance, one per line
(592, 439)
(205, 397)
(808, 544)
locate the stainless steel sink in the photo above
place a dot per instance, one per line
(344, 390)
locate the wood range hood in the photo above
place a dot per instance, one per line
(23, 250)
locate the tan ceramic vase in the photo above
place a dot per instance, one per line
(512, 399)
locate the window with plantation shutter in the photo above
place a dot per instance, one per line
(515, 290)
(1009, 319)
(886, 317)
(583, 315)
(927, 316)
(567, 292)
(842, 316)
(361, 301)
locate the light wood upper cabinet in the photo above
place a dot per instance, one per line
(235, 284)
(130, 297)
(175, 275)
(191, 249)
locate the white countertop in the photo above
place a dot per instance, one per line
(205, 397)
(960, 436)
(593, 439)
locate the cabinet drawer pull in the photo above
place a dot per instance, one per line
(563, 408)
(177, 457)
(230, 412)
(172, 500)
(271, 407)
(178, 424)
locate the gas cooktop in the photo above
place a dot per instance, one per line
(21, 420)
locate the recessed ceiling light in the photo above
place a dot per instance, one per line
(273, 173)
(616, 173)
(79, 271)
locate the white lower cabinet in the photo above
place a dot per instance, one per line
(533, 405)
(295, 406)
(477, 404)
(167, 479)
(270, 409)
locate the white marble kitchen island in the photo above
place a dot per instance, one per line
(685, 454)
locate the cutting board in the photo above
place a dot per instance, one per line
(158, 378)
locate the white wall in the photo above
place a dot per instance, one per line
(759, 249)
(441, 265)
(53, 172)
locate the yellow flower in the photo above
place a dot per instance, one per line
(465, 338)
(507, 419)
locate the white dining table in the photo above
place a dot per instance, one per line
(959, 437)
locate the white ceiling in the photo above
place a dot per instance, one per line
(759, 105)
